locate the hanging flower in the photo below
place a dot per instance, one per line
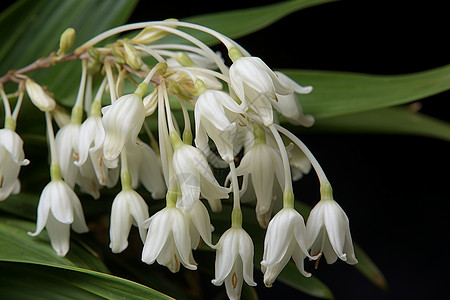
(257, 86)
(194, 176)
(261, 165)
(289, 105)
(12, 158)
(234, 261)
(168, 240)
(58, 209)
(199, 225)
(329, 232)
(285, 238)
(66, 141)
(122, 122)
(213, 112)
(298, 161)
(144, 167)
(90, 145)
(128, 208)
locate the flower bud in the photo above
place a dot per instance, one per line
(132, 57)
(38, 96)
(66, 41)
(151, 102)
(149, 35)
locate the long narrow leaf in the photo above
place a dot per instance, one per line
(340, 93)
(393, 120)
(43, 282)
(17, 246)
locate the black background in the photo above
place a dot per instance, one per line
(393, 188)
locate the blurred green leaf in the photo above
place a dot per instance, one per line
(340, 93)
(17, 246)
(31, 30)
(311, 286)
(368, 268)
(23, 205)
(393, 120)
(44, 282)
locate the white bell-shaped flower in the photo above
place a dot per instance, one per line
(298, 161)
(257, 86)
(289, 105)
(12, 158)
(58, 209)
(262, 166)
(128, 208)
(66, 140)
(234, 261)
(90, 145)
(329, 232)
(87, 180)
(168, 240)
(285, 238)
(122, 122)
(194, 175)
(200, 225)
(144, 167)
(216, 114)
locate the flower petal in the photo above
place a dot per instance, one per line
(157, 234)
(59, 234)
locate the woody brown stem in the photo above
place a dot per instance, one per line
(41, 63)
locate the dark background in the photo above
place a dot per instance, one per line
(393, 188)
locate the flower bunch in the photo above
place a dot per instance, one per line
(228, 110)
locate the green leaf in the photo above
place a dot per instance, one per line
(340, 93)
(393, 120)
(312, 286)
(80, 274)
(368, 268)
(44, 282)
(32, 29)
(17, 246)
(238, 23)
(23, 205)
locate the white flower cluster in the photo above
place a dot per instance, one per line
(236, 107)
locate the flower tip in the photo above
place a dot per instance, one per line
(306, 274)
(264, 263)
(351, 260)
(118, 248)
(227, 158)
(110, 156)
(268, 122)
(251, 283)
(304, 90)
(216, 282)
(61, 252)
(24, 162)
(190, 267)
